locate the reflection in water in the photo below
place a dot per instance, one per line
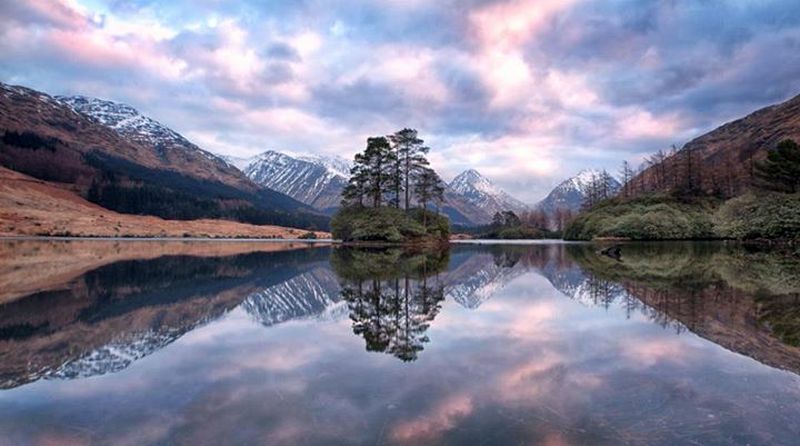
(205, 344)
(393, 296)
(111, 316)
(746, 300)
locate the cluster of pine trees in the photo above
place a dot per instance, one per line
(393, 171)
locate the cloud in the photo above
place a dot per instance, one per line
(526, 92)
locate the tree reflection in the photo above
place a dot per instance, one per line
(393, 296)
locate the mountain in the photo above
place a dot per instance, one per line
(122, 160)
(722, 158)
(314, 180)
(483, 194)
(138, 128)
(570, 193)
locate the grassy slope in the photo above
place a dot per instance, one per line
(662, 217)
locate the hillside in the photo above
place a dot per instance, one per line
(122, 160)
(29, 206)
(706, 189)
(720, 161)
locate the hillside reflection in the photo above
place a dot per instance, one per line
(109, 317)
(744, 299)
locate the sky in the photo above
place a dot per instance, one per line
(526, 92)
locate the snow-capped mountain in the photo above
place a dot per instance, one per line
(128, 122)
(482, 193)
(314, 180)
(570, 193)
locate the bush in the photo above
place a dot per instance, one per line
(388, 225)
(308, 236)
(763, 215)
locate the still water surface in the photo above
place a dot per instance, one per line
(135, 343)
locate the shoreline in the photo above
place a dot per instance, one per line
(170, 239)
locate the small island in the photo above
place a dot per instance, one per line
(390, 193)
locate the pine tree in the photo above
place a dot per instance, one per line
(410, 153)
(372, 171)
(356, 189)
(780, 171)
(428, 187)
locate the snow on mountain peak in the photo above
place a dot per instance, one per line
(127, 121)
(314, 180)
(482, 192)
(334, 164)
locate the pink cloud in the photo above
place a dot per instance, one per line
(427, 427)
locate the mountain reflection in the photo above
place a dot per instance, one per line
(393, 295)
(109, 317)
(102, 319)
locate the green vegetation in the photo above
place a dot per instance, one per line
(387, 179)
(780, 172)
(761, 215)
(649, 217)
(389, 225)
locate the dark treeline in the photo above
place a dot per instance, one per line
(129, 188)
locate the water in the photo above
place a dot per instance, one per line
(106, 342)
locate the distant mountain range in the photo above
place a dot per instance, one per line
(123, 160)
(470, 199)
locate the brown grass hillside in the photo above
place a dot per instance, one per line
(33, 207)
